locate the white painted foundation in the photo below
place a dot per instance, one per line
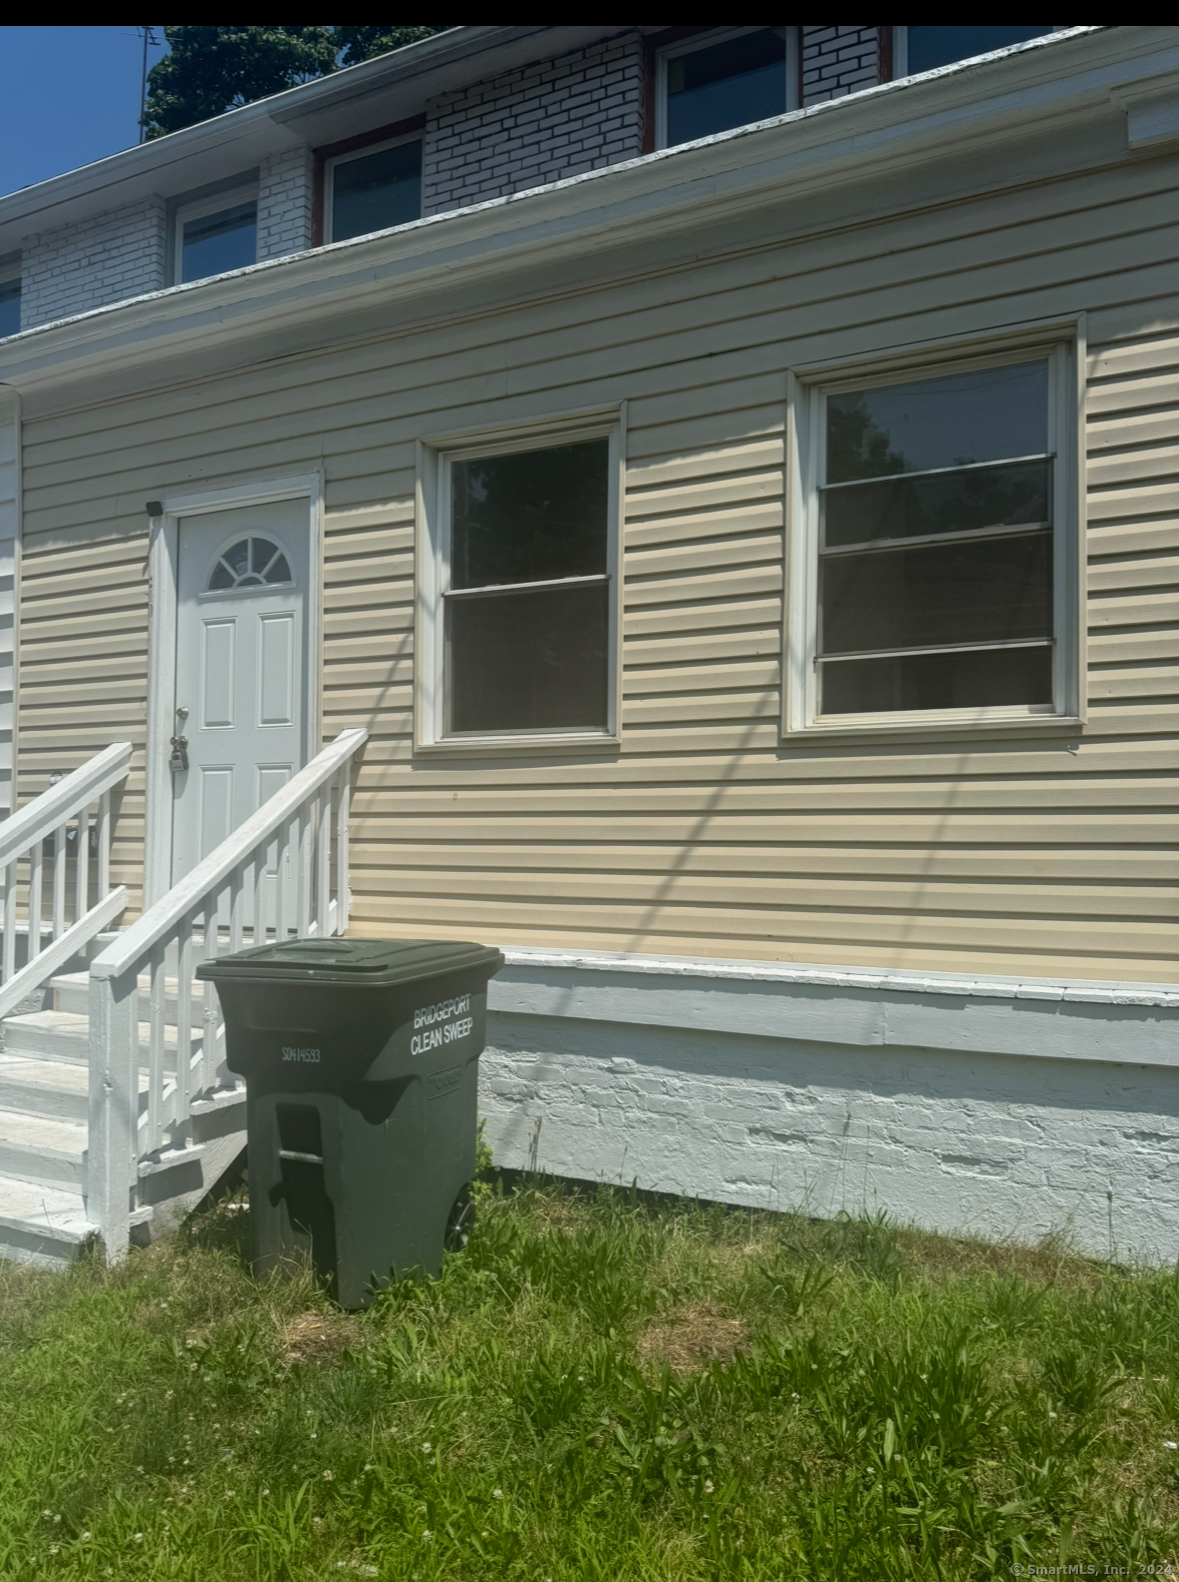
(1000, 1107)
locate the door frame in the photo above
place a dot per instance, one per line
(163, 566)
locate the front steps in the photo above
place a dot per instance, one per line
(44, 1109)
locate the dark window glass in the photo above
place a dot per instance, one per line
(219, 242)
(250, 563)
(525, 657)
(933, 460)
(930, 47)
(987, 414)
(970, 500)
(728, 84)
(998, 590)
(9, 307)
(375, 191)
(530, 516)
(965, 680)
(529, 660)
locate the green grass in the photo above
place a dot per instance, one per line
(880, 1404)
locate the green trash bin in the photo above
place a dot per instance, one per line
(361, 1064)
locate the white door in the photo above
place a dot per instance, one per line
(241, 668)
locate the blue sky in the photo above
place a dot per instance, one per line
(68, 95)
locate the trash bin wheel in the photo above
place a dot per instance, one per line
(460, 1222)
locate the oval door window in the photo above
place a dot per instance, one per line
(252, 562)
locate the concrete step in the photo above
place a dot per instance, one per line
(48, 1035)
(71, 992)
(41, 1224)
(36, 1149)
(65, 1035)
(55, 1089)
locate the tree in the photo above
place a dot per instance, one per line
(209, 70)
(362, 43)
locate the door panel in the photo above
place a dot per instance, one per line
(217, 675)
(216, 805)
(241, 669)
(276, 674)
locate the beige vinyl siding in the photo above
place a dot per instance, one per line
(83, 677)
(702, 834)
(9, 540)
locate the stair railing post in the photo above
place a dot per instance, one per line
(113, 1155)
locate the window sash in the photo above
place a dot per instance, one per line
(436, 596)
(706, 41)
(803, 657)
(333, 164)
(203, 209)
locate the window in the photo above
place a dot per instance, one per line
(9, 304)
(520, 599)
(373, 189)
(925, 48)
(722, 79)
(249, 563)
(216, 235)
(938, 545)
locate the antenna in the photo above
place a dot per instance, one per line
(149, 37)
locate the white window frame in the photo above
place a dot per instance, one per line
(900, 52)
(705, 41)
(435, 458)
(329, 173)
(807, 433)
(12, 270)
(233, 198)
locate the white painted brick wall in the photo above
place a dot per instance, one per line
(838, 60)
(538, 124)
(285, 203)
(105, 259)
(851, 1112)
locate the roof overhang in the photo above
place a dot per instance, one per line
(957, 113)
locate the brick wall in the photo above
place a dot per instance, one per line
(538, 124)
(115, 255)
(284, 203)
(838, 60)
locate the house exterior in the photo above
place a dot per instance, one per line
(748, 545)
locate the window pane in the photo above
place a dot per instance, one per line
(997, 590)
(528, 661)
(939, 46)
(217, 242)
(377, 191)
(945, 502)
(530, 516)
(729, 84)
(937, 681)
(986, 414)
(9, 307)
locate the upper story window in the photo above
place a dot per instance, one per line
(925, 48)
(215, 235)
(9, 300)
(940, 533)
(373, 188)
(724, 78)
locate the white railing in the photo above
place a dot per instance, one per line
(67, 813)
(284, 873)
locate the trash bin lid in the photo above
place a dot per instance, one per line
(376, 963)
